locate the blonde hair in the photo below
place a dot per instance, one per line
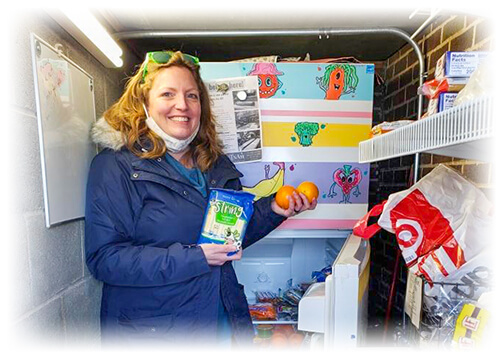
(127, 116)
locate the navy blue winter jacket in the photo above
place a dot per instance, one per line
(142, 222)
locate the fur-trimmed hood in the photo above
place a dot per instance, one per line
(106, 136)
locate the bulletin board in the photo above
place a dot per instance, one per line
(65, 113)
(313, 118)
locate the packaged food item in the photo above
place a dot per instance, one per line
(443, 102)
(226, 217)
(458, 64)
(278, 336)
(432, 88)
(469, 326)
(320, 276)
(386, 126)
(293, 295)
(266, 296)
(264, 331)
(287, 311)
(262, 311)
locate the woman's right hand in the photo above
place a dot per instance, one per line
(216, 255)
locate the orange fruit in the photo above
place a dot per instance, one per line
(296, 339)
(279, 340)
(309, 189)
(286, 329)
(282, 196)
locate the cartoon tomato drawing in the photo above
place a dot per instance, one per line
(268, 78)
(348, 180)
(268, 84)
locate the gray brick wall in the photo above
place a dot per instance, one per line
(54, 299)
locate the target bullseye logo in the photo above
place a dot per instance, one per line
(409, 234)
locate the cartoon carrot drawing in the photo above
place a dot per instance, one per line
(338, 79)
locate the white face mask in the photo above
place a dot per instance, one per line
(173, 144)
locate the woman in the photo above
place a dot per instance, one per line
(146, 198)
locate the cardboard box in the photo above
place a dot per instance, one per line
(441, 103)
(458, 64)
(446, 101)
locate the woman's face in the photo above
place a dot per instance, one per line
(174, 102)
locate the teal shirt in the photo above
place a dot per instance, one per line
(193, 175)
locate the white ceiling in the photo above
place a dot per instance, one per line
(123, 20)
(127, 25)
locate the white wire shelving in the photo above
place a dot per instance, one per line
(465, 131)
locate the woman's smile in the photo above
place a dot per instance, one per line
(179, 119)
(174, 102)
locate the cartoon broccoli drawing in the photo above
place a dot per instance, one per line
(306, 131)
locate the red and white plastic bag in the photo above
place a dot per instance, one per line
(440, 223)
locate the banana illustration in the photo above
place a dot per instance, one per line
(268, 186)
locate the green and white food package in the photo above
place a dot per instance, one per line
(226, 217)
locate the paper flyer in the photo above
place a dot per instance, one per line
(235, 106)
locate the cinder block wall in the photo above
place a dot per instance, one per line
(53, 297)
(446, 33)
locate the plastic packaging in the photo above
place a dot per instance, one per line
(386, 126)
(226, 217)
(293, 295)
(470, 281)
(481, 83)
(432, 88)
(266, 296)
(441, 223)
(264, 331)
(263, 311)
(320, 276)
(469, 326)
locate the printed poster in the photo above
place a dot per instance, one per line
(235, 105)
(313, 118)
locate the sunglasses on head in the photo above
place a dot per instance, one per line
(162, 57)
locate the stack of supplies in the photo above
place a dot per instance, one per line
(452, 73)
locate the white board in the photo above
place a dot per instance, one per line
(66, 112)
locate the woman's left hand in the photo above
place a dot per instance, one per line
(297, 203)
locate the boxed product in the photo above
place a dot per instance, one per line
(443, 102)
(458, 64)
